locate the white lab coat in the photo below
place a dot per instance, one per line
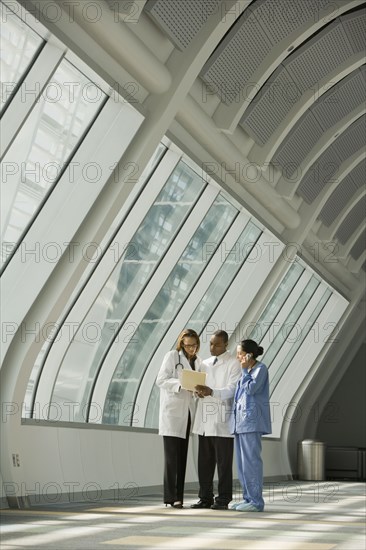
(175, 402)
(213, 414)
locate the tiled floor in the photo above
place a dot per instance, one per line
(298, 516)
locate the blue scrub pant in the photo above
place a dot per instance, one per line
(249, 463)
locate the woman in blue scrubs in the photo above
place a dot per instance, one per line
(251, 420)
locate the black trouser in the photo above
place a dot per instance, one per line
(212, 452)
(175, 457)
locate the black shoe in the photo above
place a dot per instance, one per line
(201, 504)
(176, 504)
(219, 506)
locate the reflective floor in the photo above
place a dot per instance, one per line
(298, 516)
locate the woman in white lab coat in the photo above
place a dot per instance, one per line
(176, 413)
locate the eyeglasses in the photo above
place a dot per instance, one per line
(189, 345)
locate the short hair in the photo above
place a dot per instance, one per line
(222, 334)
(191, 334)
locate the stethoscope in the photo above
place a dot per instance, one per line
(179, 364)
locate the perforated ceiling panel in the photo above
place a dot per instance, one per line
(352, 140)
(181, 20)
(231, 66)
(359, 174)
(277, 98)
(359, 246)
(324, 169)
(263, 25)
(301, 140)
(338, 199)
(354, 220)
(331, 107)
(280, 17)
(354, 25)
(308, 65)
(340, 100)
(324, 53)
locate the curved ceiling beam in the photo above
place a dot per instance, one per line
(263, 154)
(287, 186)
(344, 249)
(227, 116)
(309, 212)
(327, 233)
(202, 128)
(355, 266)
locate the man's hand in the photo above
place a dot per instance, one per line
(202, 391)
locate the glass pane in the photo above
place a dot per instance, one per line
(50, 134)
(18, 45)
(152, 411)
(105, 319)
(174, 292)
(290, 320)
(113, 230)
(265, 321)
(305, 329)
(226, 274)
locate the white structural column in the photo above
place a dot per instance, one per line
(231, 161)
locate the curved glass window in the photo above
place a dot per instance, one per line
(265, 322)
(280, 332)
(305, 329)
(44, 144)
(135, 359)
(234, 260)
(230, 267)
(29, 397)
(105, 318)
(18, 46)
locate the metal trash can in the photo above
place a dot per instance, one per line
(311, 460)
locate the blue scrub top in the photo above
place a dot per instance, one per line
(251, 402)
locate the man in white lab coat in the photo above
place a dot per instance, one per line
(212, 424)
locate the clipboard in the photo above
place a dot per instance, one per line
(191, 378)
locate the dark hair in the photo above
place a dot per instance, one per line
(222, 334)
(191, 334)
(251, 347)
